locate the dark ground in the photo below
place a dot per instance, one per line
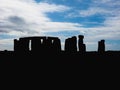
(60, 58)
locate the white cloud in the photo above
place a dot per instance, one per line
(25, 15)
(93, 11)
(101, 1)
(107, 2)
(27, 18)
(101, 7)
(6, 44)
(20, 17)
(110, 29)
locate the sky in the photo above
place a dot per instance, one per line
(95, 19)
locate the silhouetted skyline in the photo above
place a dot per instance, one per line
(47, 50)
(47, 43)
(53, 44)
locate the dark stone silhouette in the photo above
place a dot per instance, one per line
(74, 44)
(101, 46)
(71, 44)
(16, 45)
(67, 45)
(81, 45)
(56, 45)
(38, 51)
(21, 45)
(37, 44)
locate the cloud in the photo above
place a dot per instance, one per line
(110, 28)
(110, 31)
(107, 2)
(28, 17)
(93, 11)
(6, 44)
(105, 8)
(110, 11)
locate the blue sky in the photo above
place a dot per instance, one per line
(95, 19)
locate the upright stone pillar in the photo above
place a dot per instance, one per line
(56, 44)
(21, 45)
(81, 45)
(74, 44)
(24, 44)
(49, 44)
(16, 45)
(71, 44)
(67, 45)
(36, 44)
(101, 46)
